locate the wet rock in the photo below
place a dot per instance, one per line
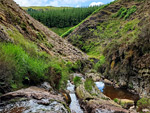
(46, 86)
(94, 76)
(97, 102)
(31, 92)
(34, 106)
(145, 110)
(82, 93)
(126, 103)
(37, 100)
(108, 81)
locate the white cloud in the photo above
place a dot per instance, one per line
(65, 2)
(55, 2)
(96, 4)
(78, 6)
(30, 2)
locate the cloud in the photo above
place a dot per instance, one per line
(31, 2)
(50, 2)
(96, 4)
(78, 6)
(65, 2)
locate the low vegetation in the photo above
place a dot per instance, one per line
(143, 103)
(23, 63)
(60, 31)
(89, 84)
(77, 81)
(125, 13)
(100, 62)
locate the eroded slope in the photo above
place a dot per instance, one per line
(119, 35)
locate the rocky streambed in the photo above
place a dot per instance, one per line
(33, 100)
(102, 98)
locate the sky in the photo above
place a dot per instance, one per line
(58, 3)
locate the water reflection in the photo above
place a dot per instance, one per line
(100, 85)
(113, 93)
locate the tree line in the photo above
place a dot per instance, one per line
(61, 17)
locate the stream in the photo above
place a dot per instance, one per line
(74, 105)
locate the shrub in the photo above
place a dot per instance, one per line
(116, 100)
(125, 13)
(89, 84)
(130, 11)
(77, 81)
(100, 62)
(34, 69)
(143, 103)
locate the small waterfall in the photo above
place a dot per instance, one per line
(74, 106)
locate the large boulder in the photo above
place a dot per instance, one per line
(95, 101)
(33, 99)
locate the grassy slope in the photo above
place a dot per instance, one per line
(65, 34)
(29, 63)
(118, 35)
(26, 56)
(104, 32)
(60, 31)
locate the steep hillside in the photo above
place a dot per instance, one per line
(119, 35)
(30, 52)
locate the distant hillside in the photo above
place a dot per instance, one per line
(60, 19)
(119, 35)
(45, 8)
(30, 52)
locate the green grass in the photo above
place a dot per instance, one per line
(60, 31)
(96, 11)
(89, 84)
(25, 61)
(116, 100)
(143, 103)
(32, 68)
(23, 64)
(125, 13)
(77, 81)
(100, 62)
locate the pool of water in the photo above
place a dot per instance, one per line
(113, 93)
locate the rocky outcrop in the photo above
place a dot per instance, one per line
(31, 92)
(132, 65)
(125, 103)
(33, 99)
(95, 101)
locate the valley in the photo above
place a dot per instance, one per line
(75, 60)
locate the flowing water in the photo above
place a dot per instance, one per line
(74, 106)
(113, 93)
